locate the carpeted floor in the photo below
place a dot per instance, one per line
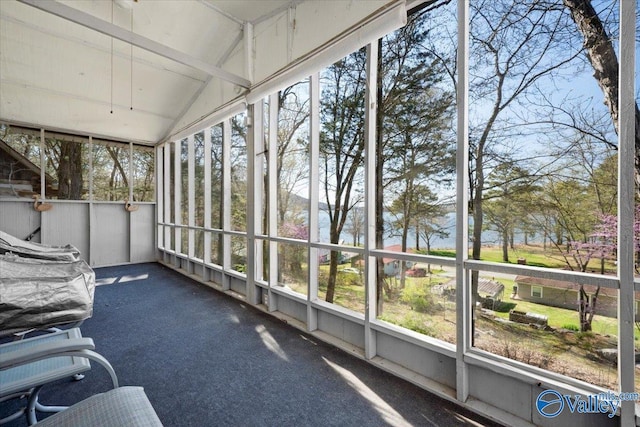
(206, 359)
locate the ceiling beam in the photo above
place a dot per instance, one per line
(111, 30)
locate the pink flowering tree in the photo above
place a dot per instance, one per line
(602, 245)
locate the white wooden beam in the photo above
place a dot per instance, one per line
(160, 171)
(207, 200)
(314, 191)
(177, 197)
(166, 200)
(226, 204)
(272, 203)
(626, 209)
(463, 290)
(111, 30)
(191, 190)
(370, 262)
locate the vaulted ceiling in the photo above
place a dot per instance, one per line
(142, 70)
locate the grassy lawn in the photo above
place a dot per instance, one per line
(560, 317)
(535, 255)
(422, 306)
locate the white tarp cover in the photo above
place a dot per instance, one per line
(40, 294)
(11, 244)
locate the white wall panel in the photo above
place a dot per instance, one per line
(110, 224)
(291, 307)
(341, 328)
(238, 285)
(142, 234)
(67, 223)
(435, 366)
(116, 237)
(19, 219)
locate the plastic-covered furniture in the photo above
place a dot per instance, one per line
(27, 249)
(39, 294)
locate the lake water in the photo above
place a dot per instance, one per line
(488, 237)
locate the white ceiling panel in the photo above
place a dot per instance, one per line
(160, 66)
(251, 10)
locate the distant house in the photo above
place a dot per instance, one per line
(392, 266)
(562, 294)
(324, 257)
(19, 177)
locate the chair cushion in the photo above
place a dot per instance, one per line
(123, 406)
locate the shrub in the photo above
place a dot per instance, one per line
(418, 300)
(416, 322)
(571, 327)
(348, 279)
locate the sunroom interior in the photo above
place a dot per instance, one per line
(348, 167)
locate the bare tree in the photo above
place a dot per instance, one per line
(293, 113)
(291, 169)
(602, 57)
(341, 145)
(515, 45)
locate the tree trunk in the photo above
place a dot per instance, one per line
(592, 306)
(505, 246)
(604, 61)
(587, 308)
(70, 171)
(333, 275)
(582, 309)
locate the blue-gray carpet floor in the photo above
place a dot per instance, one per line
(206, 359)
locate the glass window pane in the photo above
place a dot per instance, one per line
(293, 267)
(182, 150)
(110, 170)
(341, 143)
(199, 244)
(543, 153)
(20, 162)
(349, 280)
(239, 254)
(216, 177)
(67, 160)
(293, 157)
(417, 142)
(565, 327)
(238, 157)
(143, 174)
(217, 245)
(420, 296)
(198, 140)
(184, 241)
